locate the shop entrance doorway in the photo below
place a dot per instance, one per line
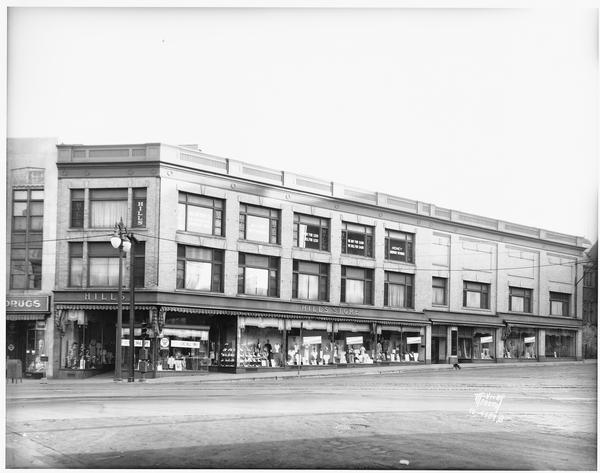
(438, 349)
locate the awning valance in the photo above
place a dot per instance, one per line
(28, 316)
(466, 324)
(125, 307)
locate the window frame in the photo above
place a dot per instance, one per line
(217, 264)
(369, 237)
(324, 225)
(75, 245)
(484, 291)
(565, 299)
(408, 239)
(215, 204)
(323, 280)
(77, 196)
(527, 296)
(368, 286)
(28, 240)
(115, 198)
(409, 289)
(444, 287)
(258, 211)
(273, 268)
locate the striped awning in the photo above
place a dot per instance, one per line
(100, 307)
(26, 316)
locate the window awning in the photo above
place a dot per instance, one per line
(28, 316)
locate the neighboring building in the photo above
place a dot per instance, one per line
(30, 251)
(590, 303)
(240, 267)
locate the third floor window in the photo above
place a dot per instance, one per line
(200, 214)
(357, 239)
(259, 224)
(311, 232)
(399, 246)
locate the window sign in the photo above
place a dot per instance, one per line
(489, 339)
(137, 343)
(354, 340)
(413, 340)
(356, 241)
(529, 340)
(312, 340)
(185, 344)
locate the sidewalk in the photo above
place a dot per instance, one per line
(107, 378)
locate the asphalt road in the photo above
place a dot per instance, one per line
(527, 418)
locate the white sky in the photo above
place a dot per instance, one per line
(493, 112)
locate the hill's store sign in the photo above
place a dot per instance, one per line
(27, 304)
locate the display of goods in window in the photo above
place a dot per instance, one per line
(227, 358)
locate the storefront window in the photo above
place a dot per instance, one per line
(484, 347)
(183, 349)
(89, 341)
(560, 343)
(36, 348)
(261, 347)
(520, 343)
(465, 343)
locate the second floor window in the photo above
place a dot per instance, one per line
(399, 290)
(399, 246)
(519, 299)
(559, 303)
(357, 239)
(439, 287)
(200, 214)
(107, 207)
(199, 268)
(357, 285)
(259, 224)
(311, 232)
(476, 295)
(103, 265)
(76, 264)
(258, 275)
(311, 281)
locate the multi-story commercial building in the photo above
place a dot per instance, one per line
(239, 267)
(30, 252)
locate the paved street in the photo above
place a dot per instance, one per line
(529, 417)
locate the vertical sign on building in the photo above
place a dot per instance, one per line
(139, 208)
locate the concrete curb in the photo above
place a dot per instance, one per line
(276, 375)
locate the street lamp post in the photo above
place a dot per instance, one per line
(120, 241)
(131, 377)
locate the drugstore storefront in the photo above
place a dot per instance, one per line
(27, 337)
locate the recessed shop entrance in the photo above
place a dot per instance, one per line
(438, 349)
